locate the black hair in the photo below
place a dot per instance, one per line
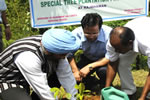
(124, 33)
(91, 19)
(126, 36)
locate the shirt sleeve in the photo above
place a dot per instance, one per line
(66, 78)
(30, 66)
(111, 54)
(3, 6)
(107, 31)
(148, 62)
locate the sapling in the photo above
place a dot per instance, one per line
(60, 93)
(81, 91)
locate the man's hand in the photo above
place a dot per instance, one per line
(77, 76)
(141, 99)
(6, 25)
(7, 33)
(84, 71)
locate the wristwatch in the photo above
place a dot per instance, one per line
(7, 25)
(90, 67)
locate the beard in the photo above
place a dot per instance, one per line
(52, 57)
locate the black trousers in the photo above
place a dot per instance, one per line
(15, 94)
(23, 94)
(100, 71)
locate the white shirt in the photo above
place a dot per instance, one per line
(3, 7)
(141, 28)
(30, 66)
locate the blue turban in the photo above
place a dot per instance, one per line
(60, 41)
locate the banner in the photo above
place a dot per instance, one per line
(49, 13)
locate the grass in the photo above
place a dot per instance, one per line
(139, 77)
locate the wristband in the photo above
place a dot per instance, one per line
(90, 67)
(7, 25)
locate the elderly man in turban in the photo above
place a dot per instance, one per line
(38, 62)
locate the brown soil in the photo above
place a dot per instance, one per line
(91, 97)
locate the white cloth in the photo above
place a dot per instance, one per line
(140, 27)
(66, 78)
(30, 66)
(124, 71)
(3, 7)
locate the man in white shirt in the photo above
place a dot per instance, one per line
(4, 21)
(124, 44)
(33, 61)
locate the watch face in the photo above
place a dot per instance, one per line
(91, 68)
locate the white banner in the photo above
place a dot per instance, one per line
(48, 13)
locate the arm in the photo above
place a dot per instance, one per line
(66, 78)
(75, 69)
(77, 32)
(113, 64)
(85, 70)
(146, 88)
(6, 25)
(30, 67)
(101, 62)
(111, 72)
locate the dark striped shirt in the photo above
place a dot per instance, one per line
(9, 73)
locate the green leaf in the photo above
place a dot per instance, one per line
(54, 89)
(87, 91)
(81, 97)
(62, 90)
(81, 88)
(68, 96)
(78, 96)
(56, 94)
(76, 86)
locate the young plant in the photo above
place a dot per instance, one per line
(81, 91)
(60, 93)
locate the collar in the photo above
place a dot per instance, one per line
(135, 46)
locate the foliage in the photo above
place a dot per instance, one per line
(18, 16)
(81, 91)
(141, 63)
(114, 24)
(7, 43)
(77, 55)
(60, 93)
